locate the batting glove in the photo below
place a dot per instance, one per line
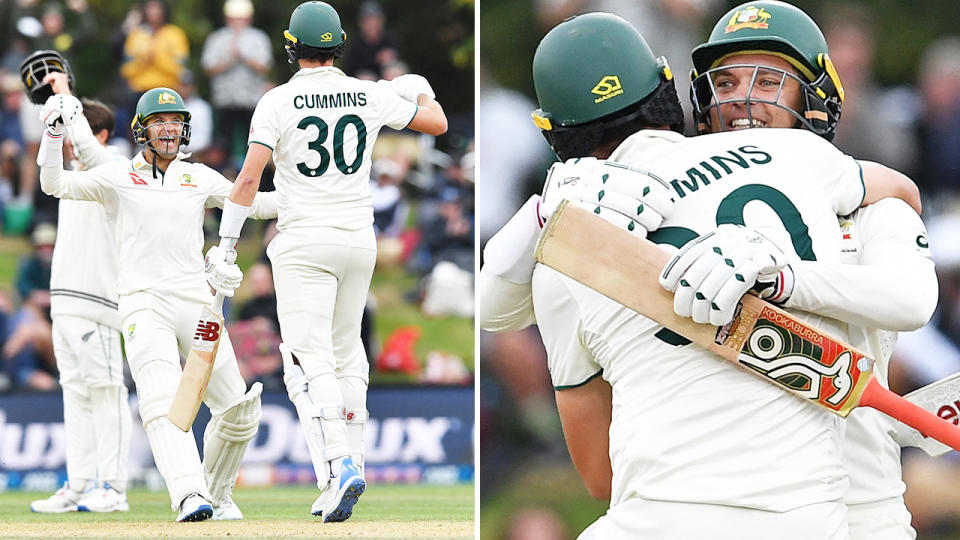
(409, 86)
(60, 111)
(711, 274)
(629, 198)
(221, 271)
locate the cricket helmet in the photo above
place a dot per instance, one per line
(37, 66)
(314, 25)
(159, 100)
(778, 29)
(594, 73)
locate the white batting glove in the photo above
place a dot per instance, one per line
(711, 274)
(221, 271)
(629, 198)
(59, 112)
(409, 86)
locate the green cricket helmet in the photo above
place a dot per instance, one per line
(314, 25)
(159, 100)
(778, 29)
(595, 74)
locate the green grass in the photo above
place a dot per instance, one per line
(384, 511)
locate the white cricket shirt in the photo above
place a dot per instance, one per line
(687, 425)
(158, 220)
(321, 126)
(886, 232)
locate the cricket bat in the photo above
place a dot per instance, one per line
(941, 398)
(198, 367)
(762, 338)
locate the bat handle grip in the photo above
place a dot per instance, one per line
(924, 421)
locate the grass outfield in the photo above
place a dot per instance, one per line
(385, 511)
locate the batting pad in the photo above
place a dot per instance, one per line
(225, 439)
(177, 459)
(354, 391)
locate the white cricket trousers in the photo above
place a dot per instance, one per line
(96, 415)
(322, 277)
(661, 520)
(155, 338)
(883, 520)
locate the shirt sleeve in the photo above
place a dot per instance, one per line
(88, 148)
(894, 258)
(395, 111)
(558, 313)
(264, 127)
(90, 185)
(503, 305)
(840, 174)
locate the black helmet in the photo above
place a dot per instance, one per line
(37, 66)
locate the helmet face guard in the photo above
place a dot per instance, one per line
(818, 114)
(37, 66)
(140, 128)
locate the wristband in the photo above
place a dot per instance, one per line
(51, 150)
(233, 217)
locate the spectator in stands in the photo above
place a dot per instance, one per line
(389, 208)
(447, 235)
(34, 271)
(28, 349)
(255, 334)
(237, 58)
(154, 53)
(375, 49)
(57, 34)
(864, 134)
(263, 299)
(938, 165)
(12, 90)
(201, 117)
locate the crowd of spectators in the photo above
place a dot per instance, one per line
(236, 64)
(913, 126)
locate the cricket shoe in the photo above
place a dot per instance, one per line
(194, 508)
(64, 500)
(103, 499)
(227, 510)
(337, 500)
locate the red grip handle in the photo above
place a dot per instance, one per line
(924, 421)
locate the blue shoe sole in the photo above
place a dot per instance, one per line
(82, 508)
(344, 510)
(204, 511)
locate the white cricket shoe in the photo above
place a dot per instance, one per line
(103, 499)
(64, 500)
(337, 500)
(227, 510)
(194, 508)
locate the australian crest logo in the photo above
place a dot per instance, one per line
(130, 330)
(608, 87)
(326, 37)
(187, 181)
(165, 98)
(749, 17)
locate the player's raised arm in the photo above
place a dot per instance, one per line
(430, 118)
(881, 181)
(59, 112)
